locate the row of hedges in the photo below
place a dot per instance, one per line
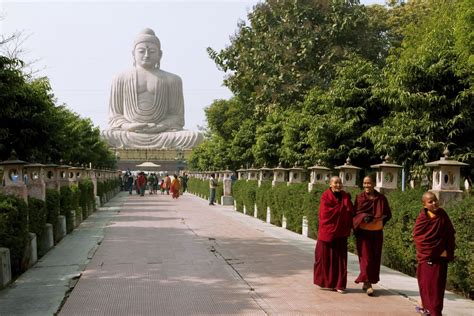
(18, 218)
(295, 201)
(107, 186)
(201, 188)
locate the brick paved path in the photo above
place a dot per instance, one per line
(165, 257)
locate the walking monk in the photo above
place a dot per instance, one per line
(434, 241)
(371, 212)
(335, 222)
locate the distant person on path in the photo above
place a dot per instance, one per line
(434, 241)
(212, 189)
(167, 184)
(130, 183)
(162, 186)
(141, 183)
(175, 187)
(335, 222)
(371, 212)
(184, 182)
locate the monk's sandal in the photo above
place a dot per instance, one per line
(370, 291)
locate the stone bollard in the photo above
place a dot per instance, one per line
(235, 205)
(73, 218)
(79, 217)
(255, 210)
(5, 267)
(61, 230)
(304, 227)
(97, 201)
(227, 198)
(33, 250)
(245, 209)
(268, 214)
(283, 222)
(47, 240)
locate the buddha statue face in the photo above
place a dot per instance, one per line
(147, 55)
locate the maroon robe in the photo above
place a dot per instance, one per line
(432, 237)
(369, 242)
(335, 222)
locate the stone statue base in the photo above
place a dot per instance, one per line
(169, 160)
(165, 140)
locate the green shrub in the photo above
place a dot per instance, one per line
(461, 270)
(66, 205)
(262, 199)
(14, 230)
(86, 196)
(201, 187)
(36, 216)
(53, 207)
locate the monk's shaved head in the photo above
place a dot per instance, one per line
(370, 177)
(334, 179)
(429, 196)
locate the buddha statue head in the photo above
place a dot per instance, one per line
(147, 50)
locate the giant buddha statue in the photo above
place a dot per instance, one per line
(146, 108)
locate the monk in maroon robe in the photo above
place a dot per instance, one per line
(371, 212)
(434, 241)
(335, 222)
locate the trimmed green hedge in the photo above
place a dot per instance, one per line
(86, 197)
(53, 208)
(201, 187)
(36, 217)
(14, 230)
(295, 201)
(66, 205)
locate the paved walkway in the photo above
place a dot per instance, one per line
(159, 256)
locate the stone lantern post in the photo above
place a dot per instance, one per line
(252, 174)
(279, 175)
(13, 181)
(319, 175)
(386, 175)
(264, 174)
(36, 185)
(296, 175)
(348, 173)
(446, 178)
(241, 173)
(51, 178)
(64, 174)
(75, 174)
(226, 198)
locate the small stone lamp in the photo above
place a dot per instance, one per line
(51, 176)
(13, 181)
(226, 174)
(252, 174)
(348, 173)
(446, 178)
(279, 174)
(319, 175)
(386, 175)
(241, 173)
(296, 175)
(36, 185)
(264, 174)
(75, 174)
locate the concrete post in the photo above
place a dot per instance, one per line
(304, 226)
(268, 219)
(47, 241)
(283, 222)
(61, 229)
(32, 249)
(255, 210)
(5, 267)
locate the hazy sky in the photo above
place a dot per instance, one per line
(83, 44)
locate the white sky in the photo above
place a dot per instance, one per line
(83, 44)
